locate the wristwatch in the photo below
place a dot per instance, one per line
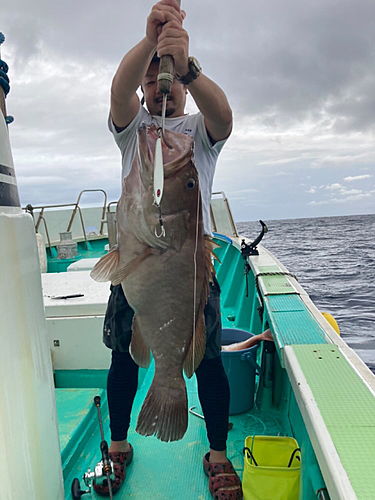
(194, 71)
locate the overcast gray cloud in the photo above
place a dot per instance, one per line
(299, 75)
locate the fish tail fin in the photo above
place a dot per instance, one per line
(164, 411)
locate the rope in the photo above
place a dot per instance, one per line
(261, 308)
(166, 76)
(4, 79)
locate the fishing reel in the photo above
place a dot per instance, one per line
(103, 471)
(98, 475)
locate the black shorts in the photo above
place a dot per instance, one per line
(117, 331)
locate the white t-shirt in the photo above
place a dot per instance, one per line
(205, 154)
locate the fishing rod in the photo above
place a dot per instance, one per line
(165, 80)
(103, 471)
(107, 466)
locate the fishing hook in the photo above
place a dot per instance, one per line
(162, 233)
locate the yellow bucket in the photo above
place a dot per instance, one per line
(271, 468)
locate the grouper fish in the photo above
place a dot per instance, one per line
(165, 279)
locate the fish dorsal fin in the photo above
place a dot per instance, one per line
(197, 346)
(107, 265)
(139, 351)
(123, 272)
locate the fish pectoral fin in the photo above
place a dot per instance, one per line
(139, 351)
(107, 265)
(197, 348)
(210, 246)
(123, 272)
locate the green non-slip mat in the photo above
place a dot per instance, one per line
(347, 407)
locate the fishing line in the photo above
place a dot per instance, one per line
(195, 274)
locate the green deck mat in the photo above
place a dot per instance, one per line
(348, 409)
(277, 284)
(171, 471)
(285, 303)
(292, 321)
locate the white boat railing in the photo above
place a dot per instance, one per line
(39, 213)
(221, 215)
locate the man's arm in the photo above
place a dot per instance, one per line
(124, 99)
(208, 96)
(213, 105)
(133, 67)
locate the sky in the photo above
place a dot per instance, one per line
(299, 75)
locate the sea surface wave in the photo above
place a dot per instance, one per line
(334, 260)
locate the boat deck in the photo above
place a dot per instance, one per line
(159, 470)
(321, 393)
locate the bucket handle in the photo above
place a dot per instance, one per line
(251, 455)
(247, 356)
(290, 461)
(291, 458)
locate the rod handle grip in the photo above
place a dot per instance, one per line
(166, 71)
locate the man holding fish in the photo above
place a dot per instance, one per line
(172, 304)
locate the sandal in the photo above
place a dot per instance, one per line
(120, 461)
(224, 481)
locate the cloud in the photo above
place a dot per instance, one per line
(301, 61)
(299, 77)
(351, 191)
(251, 190)
(357, 178)
(343, 200)
(343, 158)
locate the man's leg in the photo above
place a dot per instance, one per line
(121, 384)
(213, 385)
(213, 391)
(122, 379)
(121, 389)
(214, 395)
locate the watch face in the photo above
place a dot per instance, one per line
(194, 65)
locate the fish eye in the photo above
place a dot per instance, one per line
(190, 184)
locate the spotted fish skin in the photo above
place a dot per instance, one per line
(165, 279)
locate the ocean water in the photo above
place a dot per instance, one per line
(334, 260)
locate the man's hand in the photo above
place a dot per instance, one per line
(162, 13)
(266, 335)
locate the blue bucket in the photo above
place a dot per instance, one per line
(240, 367)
